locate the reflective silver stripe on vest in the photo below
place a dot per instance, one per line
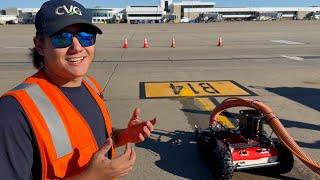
(54, 123)
(91, 84)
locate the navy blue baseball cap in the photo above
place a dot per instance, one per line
(54, 15)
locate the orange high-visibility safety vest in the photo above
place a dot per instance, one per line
(65, 140)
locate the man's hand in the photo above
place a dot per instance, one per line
(138, 130)
(101, 167)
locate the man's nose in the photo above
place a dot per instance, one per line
(76, 45)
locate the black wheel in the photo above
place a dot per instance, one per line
(201, 141)
(285, 158)
(221, 162)
(204, 142)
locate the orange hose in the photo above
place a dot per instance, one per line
(274, 123)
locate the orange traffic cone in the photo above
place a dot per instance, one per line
(125, 43)
(145, 44)
(220, 42)
(173, 44)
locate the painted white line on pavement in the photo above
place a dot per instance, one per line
(286, 42)
(296, 58)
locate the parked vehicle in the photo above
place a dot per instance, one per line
(185, 20)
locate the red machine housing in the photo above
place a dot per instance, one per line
(245, 147)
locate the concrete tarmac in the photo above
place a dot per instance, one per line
(277, 60)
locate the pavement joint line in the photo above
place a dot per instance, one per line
(134, 33)
(105, 86)
(184, 60)
(124, 51)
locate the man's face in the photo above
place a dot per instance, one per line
(67, 64)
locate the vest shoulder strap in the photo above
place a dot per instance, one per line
(51, 117)
(94, 85)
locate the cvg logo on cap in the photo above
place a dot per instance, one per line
(71, 11)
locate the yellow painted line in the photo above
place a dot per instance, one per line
(207, 105)
(193, 89)
(225, 121)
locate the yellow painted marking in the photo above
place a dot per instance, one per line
(186, 92)
(193, 89)
(205, 103)
(209, 106)
(225, 121)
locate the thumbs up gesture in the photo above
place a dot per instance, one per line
(138, 130)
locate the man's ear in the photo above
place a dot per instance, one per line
(39, 45)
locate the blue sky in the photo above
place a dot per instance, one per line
(123, 3)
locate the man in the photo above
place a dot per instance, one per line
(55, 124)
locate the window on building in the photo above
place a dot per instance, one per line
(144, 15)
(100, 12)
(166, 7)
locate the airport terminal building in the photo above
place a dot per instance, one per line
(144, 14)
(174, 12)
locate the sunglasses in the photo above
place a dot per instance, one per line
(64, 39)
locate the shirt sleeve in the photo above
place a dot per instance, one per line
(18, 150)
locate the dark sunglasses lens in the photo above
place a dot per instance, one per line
(86, 39)
(62, 40)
